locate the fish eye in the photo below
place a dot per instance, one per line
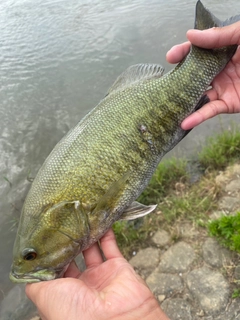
(29, 254)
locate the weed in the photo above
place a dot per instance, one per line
(236, 293)
(221, 150)
(227, 230)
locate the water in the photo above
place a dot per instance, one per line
(58, 58)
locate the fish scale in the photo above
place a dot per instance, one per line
(94, 174)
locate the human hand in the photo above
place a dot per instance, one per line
(105, 290)
(225, 92)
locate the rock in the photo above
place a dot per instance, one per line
(229, 204)
(200, 313)
(161, 297)
(236, 169)
(237, 273)
(233, 186)
(161, 238)
(210, 289)
(187, 230)
(177, 258)
(147, 258)
(232, 312)
(177, 309)
(221, 179)
(216, 215)
(163, 283)
(232, 172)
(215, 255)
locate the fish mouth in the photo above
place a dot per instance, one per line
(37, 276)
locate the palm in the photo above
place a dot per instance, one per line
(226, 87)
(112, 287)
(105, 290)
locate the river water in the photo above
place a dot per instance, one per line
(57, 60)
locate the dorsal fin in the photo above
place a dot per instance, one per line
(136, 73)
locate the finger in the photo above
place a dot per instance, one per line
(236, 57)
(72, 271)
(178, 52)
(212, 94)
(208, 111)
(93, 256)
(215, 37)
(35, 290)
(109, 246)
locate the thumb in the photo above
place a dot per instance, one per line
(215, 37)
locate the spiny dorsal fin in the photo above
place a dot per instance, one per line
(136, 210)
(136, 73)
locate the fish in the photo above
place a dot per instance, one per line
(94, 175)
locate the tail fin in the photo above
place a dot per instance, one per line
(204, 19)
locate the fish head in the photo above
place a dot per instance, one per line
(43, 250)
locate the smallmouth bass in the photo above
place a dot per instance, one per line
(94, 174)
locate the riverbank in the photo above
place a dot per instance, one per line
(191, 274)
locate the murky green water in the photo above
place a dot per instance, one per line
(57, 60)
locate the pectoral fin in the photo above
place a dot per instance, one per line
(111, 198)
(137, 210)
(109, 206)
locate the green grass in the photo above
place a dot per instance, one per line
(227, 230)
(194, 203)
(236, 293)
(221, 150)
(127, 232)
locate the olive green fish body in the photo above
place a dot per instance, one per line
(94, 174)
